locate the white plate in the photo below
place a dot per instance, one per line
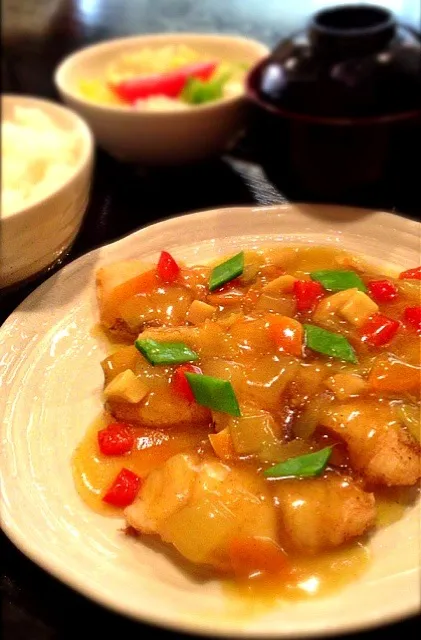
(50, 392)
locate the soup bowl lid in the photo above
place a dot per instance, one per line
(350, 62)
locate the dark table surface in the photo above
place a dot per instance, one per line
(35, 36)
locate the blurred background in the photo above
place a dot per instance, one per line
(37, 35)
(64, 23)
(248, 17)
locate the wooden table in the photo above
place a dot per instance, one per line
(34, 605)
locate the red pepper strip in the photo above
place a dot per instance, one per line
(116, 439)
(167, 268)
(411, 274)
(180, 383)
(412, 315)
(307, 293)
(123, 490)
(382, 290)
(170, 84)
(379, 330)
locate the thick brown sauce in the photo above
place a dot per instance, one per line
(94, 472)
(313, 576)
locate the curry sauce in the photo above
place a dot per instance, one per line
(287, 435)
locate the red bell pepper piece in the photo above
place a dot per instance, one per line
(412, 316)
(116, 439)
(411, 274)
(307, 293)
(124, 489)
(180, 383)
(382, 290)
(170, 83)
(378, 330)
(167, 268)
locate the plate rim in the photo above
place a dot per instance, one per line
(97, 251)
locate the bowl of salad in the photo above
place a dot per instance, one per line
(162, 99)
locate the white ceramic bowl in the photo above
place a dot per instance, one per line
(49, 339)
(159, 138)
(35, 237)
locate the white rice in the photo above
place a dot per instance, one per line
(37, 158)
